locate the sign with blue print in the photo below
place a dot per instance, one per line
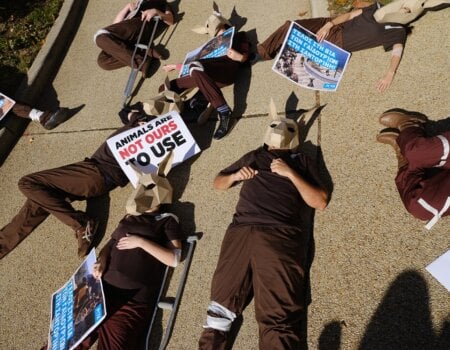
(308, 63)
(77, 308)
(216, 47)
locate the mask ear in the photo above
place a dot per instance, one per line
(273, 110)
(166, 164)
(215, 7)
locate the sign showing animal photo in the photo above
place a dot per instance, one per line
(6, 103)
(308, 63)
(216, 47)
(145, 146)
(77, 308)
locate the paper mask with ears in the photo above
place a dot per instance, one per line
(213, 23)
(152, 189)
(405, 11)
(282, 132)
(167, 101)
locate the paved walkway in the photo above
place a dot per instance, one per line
(369, 286)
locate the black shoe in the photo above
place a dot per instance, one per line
(224, 124)
(58, 117)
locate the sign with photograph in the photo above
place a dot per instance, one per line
(145, 146)
(216, 47)
(6, 103)
(77, 308)
(308, 63)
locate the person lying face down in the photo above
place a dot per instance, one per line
(357, 30)
(264, 251)
(132, 263)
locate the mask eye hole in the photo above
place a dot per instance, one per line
(149, 187)
(291, 129)
(273, 125)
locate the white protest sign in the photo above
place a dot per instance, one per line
(440, 269)
(308, 63)
(145, 146)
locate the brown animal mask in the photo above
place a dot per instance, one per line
(213, 23)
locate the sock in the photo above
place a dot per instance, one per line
(35, 115)
(224, 109)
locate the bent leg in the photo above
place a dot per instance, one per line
(278, 265)
(231, 289)
(53, 189)
(27, 219)
(117, 43)
(424, 152)
(207, 86)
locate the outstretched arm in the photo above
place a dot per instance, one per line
(322, 33)
(124, 12)
(314, 196)
(166, 16)
(396, 57)
(224, 182)
(166, 255)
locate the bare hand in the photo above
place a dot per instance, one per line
(385, 82)
(169, 67)
(322, 33)
(234, 55)
(129, 242)
(279, 166)
(131, 6)
(147, 15)
(245, 173)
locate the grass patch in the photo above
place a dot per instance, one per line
(24, 24)
(341, 6)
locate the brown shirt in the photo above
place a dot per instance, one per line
(269, 198)
(364, 32)
(135, 268)
(107, 163)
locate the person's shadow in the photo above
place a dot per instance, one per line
(401, 322)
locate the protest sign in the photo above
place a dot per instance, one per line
(6, 104)
(440, 269)
(145, 146)
(77, 308)
(216, 47)
(308, 63)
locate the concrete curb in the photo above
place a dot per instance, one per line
(41, 72)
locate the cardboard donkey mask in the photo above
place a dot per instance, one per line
(282, 133)
(152, 189)
(213, 23)
(167, 101)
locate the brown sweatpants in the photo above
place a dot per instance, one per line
(23, 110)
(414, 182)
(50, 192)
(270, 47)
(124, 326)
(118, 46)
(269, 264)
(217, 73)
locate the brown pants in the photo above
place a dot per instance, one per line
(118, 46)
(270, 47)
(269, 264)
(414, 181)
(50, 192)
(217, 73)
(23, 110)
(124, 326)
